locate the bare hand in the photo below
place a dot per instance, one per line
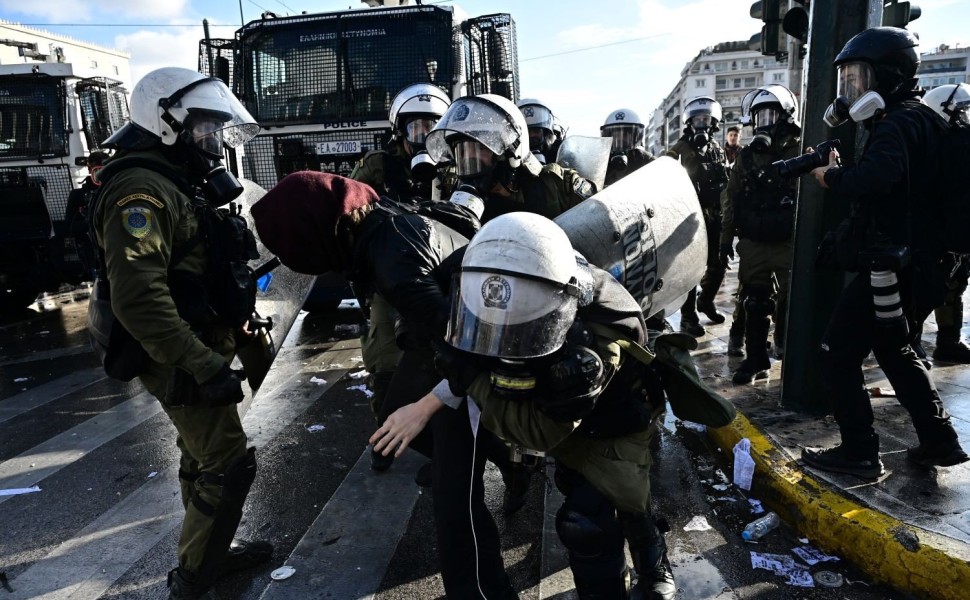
(819, 173)
(402, 426)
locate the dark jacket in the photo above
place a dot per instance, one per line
(888, 187)
(395, 255)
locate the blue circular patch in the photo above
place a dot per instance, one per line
(137, 220)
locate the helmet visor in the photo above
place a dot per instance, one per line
(855, 79)
(505, 316)
(479, 120)
(205, 130)
(471, 158)
(417, 130)
(700, 121)
(213, 100)
(764, 117)
(625, 137)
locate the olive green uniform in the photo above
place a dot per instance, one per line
(764, 251)
(552, 192)
(140, 218)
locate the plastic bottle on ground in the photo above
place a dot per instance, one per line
(757, 529)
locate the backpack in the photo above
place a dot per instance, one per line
(952, 189)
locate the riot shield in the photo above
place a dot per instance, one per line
(648, 231)
(589, 156)
(279, 298)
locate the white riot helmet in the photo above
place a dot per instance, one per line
(952, 102)
(626, 129)
(745, 118)
(702, 112)
(415, 111)
(521, 285)
(773, 103)
(173, 103)
(477, 131)
(540, 122)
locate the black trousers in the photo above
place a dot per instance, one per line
(468, 539)
(850, 336)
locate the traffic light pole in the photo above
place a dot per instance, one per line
(813, 292)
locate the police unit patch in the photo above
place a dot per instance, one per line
(462, 112)
(138, 221)
(583, 188)
(496, 292)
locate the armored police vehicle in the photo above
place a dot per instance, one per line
(321, 85)
(50, 119)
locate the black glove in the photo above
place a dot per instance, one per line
(571, 385)
(223, 388)
(725, 252)
(459, 368)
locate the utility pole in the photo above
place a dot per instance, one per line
(814, 292)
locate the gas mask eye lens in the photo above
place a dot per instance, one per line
(416, 131)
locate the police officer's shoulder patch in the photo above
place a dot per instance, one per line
(138, 221)
(143, 197)
(583, 187)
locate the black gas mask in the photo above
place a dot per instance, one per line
(218, 184)
(766, 122)
(619, 162)
(699, 129)
(201, 140)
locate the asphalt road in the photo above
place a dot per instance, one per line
(105, 521)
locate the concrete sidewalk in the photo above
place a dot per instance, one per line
(910, 529)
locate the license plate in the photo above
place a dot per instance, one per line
(342, 147)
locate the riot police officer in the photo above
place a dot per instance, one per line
(952, 102)
(550, 352)
(76, 213)
(544, 139)
(182, 310)
(486, 138)
(404, 171)
(758, 206)
(627, 154)
(892, 246)
(702, 158)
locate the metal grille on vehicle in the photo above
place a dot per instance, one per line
(491, 56)
(269, 158)
(32, 118)
(104, 109)
(216, 59)
(54, 181)
(341, 66)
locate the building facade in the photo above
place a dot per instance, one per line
(945, 65)
(26, 45)
(725, 72)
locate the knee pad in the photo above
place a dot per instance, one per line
(580, 534)
(757, 303)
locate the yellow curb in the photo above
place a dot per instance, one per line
(914, 560)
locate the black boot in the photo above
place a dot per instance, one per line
(949, 346)
(705, 304)
(649, 551)
(757, 325)
(379, 462)
(183, 585)
(689, 322)
(244, 555)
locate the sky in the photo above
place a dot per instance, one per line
(584, 59)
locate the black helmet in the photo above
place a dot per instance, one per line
(890, 51)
